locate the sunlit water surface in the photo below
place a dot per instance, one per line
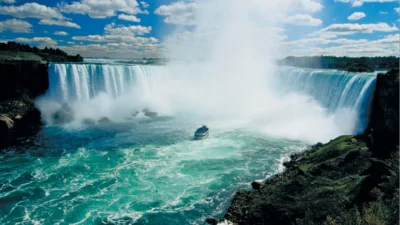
(142, 171)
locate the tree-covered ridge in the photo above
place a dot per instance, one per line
(360, 64)
(47, 54)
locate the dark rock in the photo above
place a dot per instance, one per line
(149, 113)
(23, 77)
(135, 113)
(318, 145)
(383, 129)
(323, 185)
(104, 120)
(88, 122)
(63, 115)
(212, 221)
(6, 125)
(257, 185)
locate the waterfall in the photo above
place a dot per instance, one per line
(293, 101)
(334, 90)
(82, 82)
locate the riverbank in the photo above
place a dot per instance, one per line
(24, 71)
(350, 180)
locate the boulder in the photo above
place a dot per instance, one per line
(88, 122)
(149, 113)
(104, 120)
(135, 113)
(63, 115)
(6, 125)
(212, 221)
(257, 185)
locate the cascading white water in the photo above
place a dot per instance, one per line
(300, 100)
(334, 90)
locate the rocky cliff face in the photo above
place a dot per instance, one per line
(383, 130)
(21, 82)
(23, 77)
(351, 180)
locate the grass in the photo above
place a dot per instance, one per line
(25, 56)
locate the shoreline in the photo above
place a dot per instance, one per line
(349, 179)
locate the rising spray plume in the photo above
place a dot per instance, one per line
(222, 73)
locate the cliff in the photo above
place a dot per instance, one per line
(350, 180)
(22, 81)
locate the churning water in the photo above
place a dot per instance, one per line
(140, 170)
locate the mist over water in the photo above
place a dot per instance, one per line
(222, 71)
(141, 170)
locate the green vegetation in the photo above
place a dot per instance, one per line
(340, 183)
(13, 51)
(361, 64)
(145, 61)
(352, 180)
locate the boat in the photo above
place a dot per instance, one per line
(201, 133)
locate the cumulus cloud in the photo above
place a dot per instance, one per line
(102, 9)
(42, 41)
(344, 47)
(15, 26)
(397, 9)
(113, 29)
(357, 3)
(307, 5)
(178, 13)
(128, 18)
(114, 50)
(62, 23)
(356, 16)
(144, 4)
(352, 28)
(61, 33)
(8, 1)
(303, 19)
(121, 37)
(31, 10)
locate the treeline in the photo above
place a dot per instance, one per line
(350, 64)
(48, 54)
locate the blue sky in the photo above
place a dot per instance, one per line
(135, 28)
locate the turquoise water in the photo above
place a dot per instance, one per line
(139, 170)
(142, 171)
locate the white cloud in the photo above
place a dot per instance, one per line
(383, 13)
(397, 9)
(358, 3)
(70, 42)
(303, 19)
(102, 8)
(15, 26)
(178, 13)
(128, 18)
(121, 36)
(114, 50)
(126, 30)
(344, 47)
(144, 4)
(8, 1)
(356, 16)
(42, 41)
(61, 33)
(307, 5)
(31, 10)
(352, 28)
(59, 23)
